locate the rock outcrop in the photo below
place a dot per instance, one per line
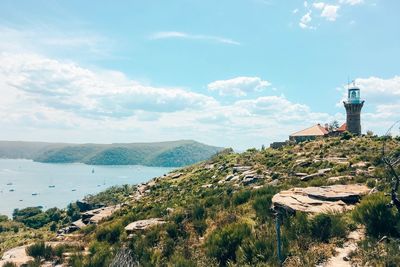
(143, 224)
(335, 198)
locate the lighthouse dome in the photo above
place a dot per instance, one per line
(354, 95)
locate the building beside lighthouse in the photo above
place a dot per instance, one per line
(353, 106)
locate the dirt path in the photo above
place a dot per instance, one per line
(341, 253)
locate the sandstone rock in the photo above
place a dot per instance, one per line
(209, 166)
(337, 160)
(176, 175)
(249, 172)
(317, 174)
(360, 164)
(338, 178)
(274, 182)
(237, 169)
(143, 224)
(235, 178)
(229, 177)
(320, 199)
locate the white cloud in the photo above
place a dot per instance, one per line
(69, 87)
(305, 20)
(380, 90)
(319, 5)
(239, 86)
(184, 35)
(49, 99)
(351, 2)
(330, 12)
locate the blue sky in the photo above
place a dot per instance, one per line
(234, 73)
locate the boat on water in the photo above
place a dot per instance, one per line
(92, 170)
(52, 186)
(34, 194)
(73, 190)
(9, 183)
(11, 190)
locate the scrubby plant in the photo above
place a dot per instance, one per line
(241, 197)
(378, 218)
(223, 243)
(109, 233)
(327, 225)
(262, 206)
(40, 250)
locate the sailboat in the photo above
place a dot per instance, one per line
(51, 183)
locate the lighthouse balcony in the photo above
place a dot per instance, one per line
(354, 101)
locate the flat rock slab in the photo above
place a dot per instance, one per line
(143, 224)
(19, 257)
(16, 255)
(335, 198)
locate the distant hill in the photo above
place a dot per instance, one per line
(166, 154)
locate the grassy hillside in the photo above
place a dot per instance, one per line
(171, 154)
(216, 216)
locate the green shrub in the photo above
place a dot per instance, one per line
(40, 250)
(241, 197)
(260, 249)
(109, 233)
(3, 218)
(325, 226)
(378, 218)
(198, 212)
(223, 243)
(262, 206)
(9, 264)
(100, 255)
(181, 261)
(346, 136)
(200, 226)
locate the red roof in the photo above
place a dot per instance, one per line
(342, 128)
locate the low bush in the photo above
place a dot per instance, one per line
(241, 197)
(379, 219)
(40, 250)
(325, 226)
(262, 206)
(223, 243)
(109, 233)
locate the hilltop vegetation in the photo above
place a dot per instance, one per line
(215, 215)
(165, 154)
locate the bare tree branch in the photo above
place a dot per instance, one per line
(391, 161)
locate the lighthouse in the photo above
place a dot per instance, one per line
(353, 107)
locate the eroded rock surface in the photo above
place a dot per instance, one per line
(336, 198)
(143, 224)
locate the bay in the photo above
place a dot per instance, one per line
(25, 183)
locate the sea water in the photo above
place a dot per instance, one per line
(25, 183)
